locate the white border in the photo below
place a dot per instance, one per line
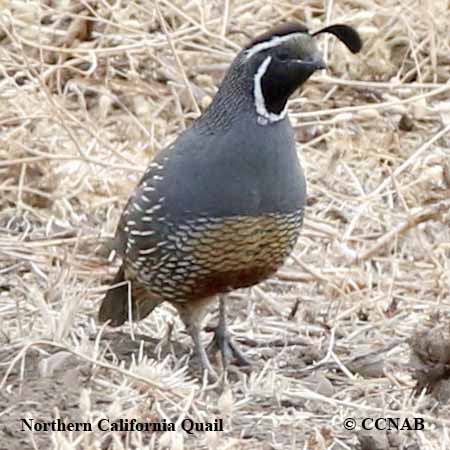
(260, 103)
(273, 42)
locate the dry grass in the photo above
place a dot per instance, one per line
(89, 93)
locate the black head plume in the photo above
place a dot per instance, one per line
(348, 35)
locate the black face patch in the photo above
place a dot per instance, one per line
(292, 62)
(280, 81)
(281, 30)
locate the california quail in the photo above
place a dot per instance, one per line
(221, 208)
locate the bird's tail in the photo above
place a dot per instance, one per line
(114, 305)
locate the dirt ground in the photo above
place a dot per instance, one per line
(355, 326)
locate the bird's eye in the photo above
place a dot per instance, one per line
(283, 56)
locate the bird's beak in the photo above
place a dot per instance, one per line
(319, 63)
(315, 64)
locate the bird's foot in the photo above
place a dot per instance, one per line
(207, 367)
(228, 348)
(200, 351)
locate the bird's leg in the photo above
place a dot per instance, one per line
(222, 340)
(192, 315)
(194, 332)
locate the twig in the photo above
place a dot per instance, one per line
(177, 58)
(427, 213)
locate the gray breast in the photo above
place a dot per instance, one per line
(248, 169)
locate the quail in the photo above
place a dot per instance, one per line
(221, 208)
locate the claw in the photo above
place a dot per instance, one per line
(229, 350)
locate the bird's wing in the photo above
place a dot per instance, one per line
(141, 225)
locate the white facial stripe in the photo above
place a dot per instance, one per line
(260, 103)
(276, 40)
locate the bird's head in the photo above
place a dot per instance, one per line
(281, 60)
